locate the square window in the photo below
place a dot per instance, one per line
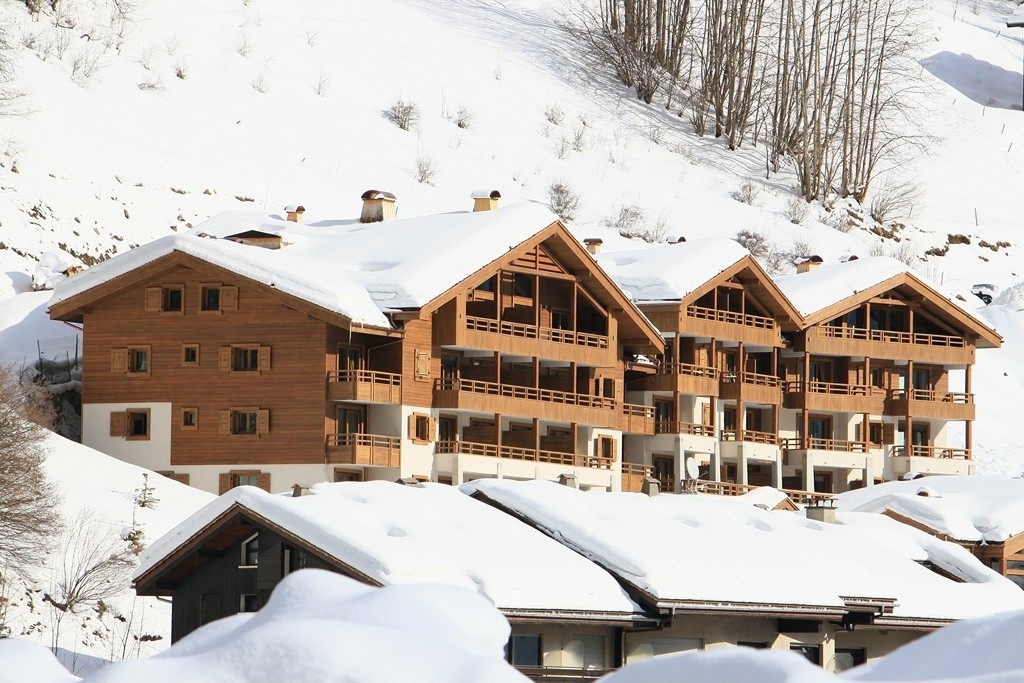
(138, 360)
(524, 651)
(244, 422)
(189, 418)
(245, 359)
(138, 424)
(248, 602)
(209, 298)
(190, 354)
(173, 299)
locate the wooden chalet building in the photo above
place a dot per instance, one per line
(253, 350)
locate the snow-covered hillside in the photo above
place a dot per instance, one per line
(99, 501)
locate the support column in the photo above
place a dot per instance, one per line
(808, 472)
(457, 474)
(497, 431)
(536, 434)
(575, 325)
(679, 464)
(536, 372)
(805, 417)
(869, 471)
(716, 462)
(908, 444)
(741, 464)
(536, 302)
(777, 472)
(968, 424)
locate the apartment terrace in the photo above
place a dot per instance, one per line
(514, 399)
(686, 378)
(752, 387)
(725, 324)
(363, 449)
(509, 452)
(367, 386)
(638, 419)
(833, 396)
(724, 488)
(857, 341)
(927, 403)
(558, 674)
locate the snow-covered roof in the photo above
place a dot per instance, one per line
(353, 269)
(429, 533)
(967, 508)
(818, 289)
(670, 272)
(710, 550)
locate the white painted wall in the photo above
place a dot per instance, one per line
(153, 454)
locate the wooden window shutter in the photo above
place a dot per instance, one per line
(857, 429)
(154, 299)
(223, 483)
(422, 365)
(263, 422)
(119, 423)
(224, 358)
(432, 429)
(225, 422)
(412, 426)
(888, 434)
(264, 359)
(119, 360)
(263, 481)
(229, 298)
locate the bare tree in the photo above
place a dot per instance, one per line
(28, 502)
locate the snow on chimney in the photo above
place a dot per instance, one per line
(294, 212)
(378, 206)
(812, 263)
(823, 511)
(485, 200)
(593, 244)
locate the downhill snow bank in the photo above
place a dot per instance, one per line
(24, 322)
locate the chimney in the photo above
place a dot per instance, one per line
(847, 258)
(650, 487)
(378, 206)
(294, 212)
(408, 481)
(812, 263)
(568, 480)
(485, 200)
(297, 490)
(593, 244)
(681, 239)
(822, 511)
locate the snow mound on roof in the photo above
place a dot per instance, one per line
(19, 657)
(1012, 297)
(23, 322)
(670, 272)
(815, 290)
(699, 549)
(418, 534)
(321, 626)
(763, 495)
(731, 665)
(357, 270)
(52, 268)
(967, 508)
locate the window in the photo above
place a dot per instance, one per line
(250, 550)
(524, 651)
(755, 644)
(138, 424)
(180, 477)
(560, 320)
(522, 285)
(294, 559)
(245, 358)
(345, 475)
(350, 358)
(190, 354)
(811, 652)
(245, 421)
(590, 650)
(209, 298)
(351, 421)
(173, 299)
(421, 428)
(133, 360)
(847, 658)
(248, 602)
(138, 360)
(229, 480)
(605, 448)
(189, 418)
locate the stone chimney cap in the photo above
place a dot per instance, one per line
(847, 258)
(378, 194)
(593, 240)
(485, 194)
(295, 208)
(815, 259)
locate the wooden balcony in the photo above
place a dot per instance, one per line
(926, 403)
(363, 449)
(722, 488)
(750, 436)
(931, 452)
(834, 397)
(633, 475)
(532, 340)
(816, 444)
(558, 674)
(637, 419)
(677, 427)
(744, 327)
(752, 387)
(699, 380)
(366, 386)
(518, 453)
(857, 341)
(512, 399)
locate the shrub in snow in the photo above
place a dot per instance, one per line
(632, 222)
(747, 193)
(403, 114)
(757, 243)
(464, 117)
(563, 199)
(554, 114)
(426, 168)
(797, 210)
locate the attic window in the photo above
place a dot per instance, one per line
(209, 298)
(173, 299)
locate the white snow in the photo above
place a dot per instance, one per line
(346, 267)
(713, 549)
(429, 533)
(976, 508)
(24, 321)
(53, 267)
(815, 290)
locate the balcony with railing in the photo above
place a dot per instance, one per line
(833, 396)
(824, 452)
(931, 460)
(737, 326)
(928, 403)
(558, 674)
(637, 419)
(724, 488)
(367, 386)
(678, 427)
(363, 449)
(751, 386)
(529, 339)
(513, 399)
(491, 450)
(896, 344)
(818, 444)
(634, 474)
(932, 452)
(750, 436)
(687, 378)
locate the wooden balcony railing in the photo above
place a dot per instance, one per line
(747, 319)
(677, 427)
(815, 443)
(636, 410)
(892, 336)
(750, 435)
(831, 388)
(723, 488)
(364, 449)
(751, 378)
(932, 396)
(633, 475)
(365, 385)
(557, 674)
(637, 419)
(528, 393)
(525, 331)
(517, 453)
(932, 452)
(688, 369)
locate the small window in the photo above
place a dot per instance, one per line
(421, 428)
(560, 320)
(248, 602)
(173, 299)
(346, 475)
(811, 652)
(251, 545)
(180, 477)
(209, 298)
(190, 354)
(522, 285)
(189, 418)
(245, 359)
(138, 360)
(138, 424)
(524, 651)
(244, 422)
(229, 480)
(847, 658)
